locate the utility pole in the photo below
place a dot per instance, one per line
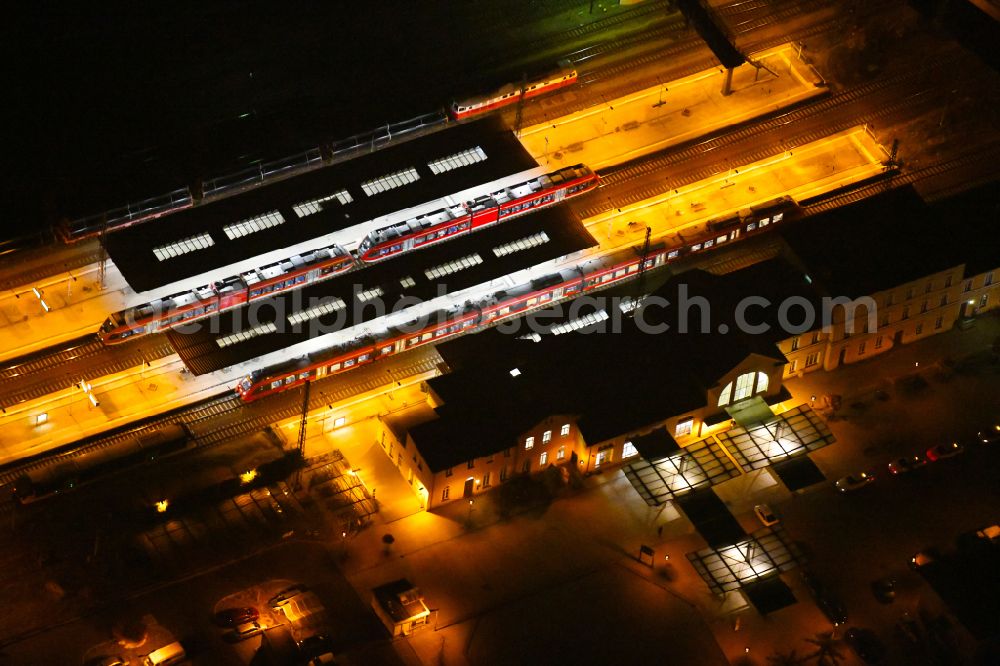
(302, 434)
(103, 259)
(305, 419)
(642, 261)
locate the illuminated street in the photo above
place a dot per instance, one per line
(502, 332)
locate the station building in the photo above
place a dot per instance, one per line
(514, 404)
(922, 270)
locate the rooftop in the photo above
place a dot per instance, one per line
(338, 303)
(401, 600)
(894, 238)
(297, 209)
(616, 383)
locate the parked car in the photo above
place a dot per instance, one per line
(942, 451)
(827, 603)
(286, 595)
(923, 557)
(765, 515)
(230, 617)
(906, 464)
(884, 589)
(855, 481)
(990, 435)
(865, 644)
(991, 533)
(314, 646)
(241, 632)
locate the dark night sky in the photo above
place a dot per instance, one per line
(113, 99)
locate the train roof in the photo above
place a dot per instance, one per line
(614, 383)
(290, 211)
(454, 265)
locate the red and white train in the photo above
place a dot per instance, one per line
(320, 264)
(511, 93)
(566, 283)
(499, 206)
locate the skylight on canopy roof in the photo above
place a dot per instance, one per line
(316, 311)
(453, 266)
(233, 338)
(177, 248)
(390, 182)
(316, 205)
(253, 225)
(458, 160)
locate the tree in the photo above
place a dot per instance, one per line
(789, 658)
(827, 651)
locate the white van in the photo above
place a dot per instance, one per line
(169, 654)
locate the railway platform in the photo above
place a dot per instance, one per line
(674, 112)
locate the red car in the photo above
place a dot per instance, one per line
(230, 617)
(942, 451)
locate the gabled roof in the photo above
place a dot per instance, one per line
(616, 382)
(894, 238)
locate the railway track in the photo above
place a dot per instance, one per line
(890, 95)
(988, 155)
(40, 374)
(625, 71)
(223, 417)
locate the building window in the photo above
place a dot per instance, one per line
(629, 450)
(544, 458)
(861, 349)
(793, 365)
(529, 443)
(762, 382)
(923, 307)
(983, 300)
(947, 282)
(919, 329)
(968, 286)
(726, 394)
(909, 293)
(744, 387)
(445, 493)
(938, 323)
(546, 437)
(561, 453)
(989, 279)
(447, 472)
(944, 300)
(906, 312)
(486, 480)
(812, 359)
(878, 342)
(564, 430)
(526, 467)
(684, 427)
(928, 287)
(503, 474)
(472, 463)
(815, 338)
(795, 343)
